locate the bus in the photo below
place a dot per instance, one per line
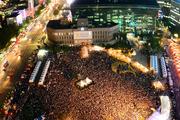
(154, 64)
(163, 67)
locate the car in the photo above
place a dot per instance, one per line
(30, 65)
(4, 69)
(8, 78)
(25, 71)
(28, 69)
(30, 59)
(33, 55)
(23, 76)
(6, 63)
(10, 72)
(38, 46)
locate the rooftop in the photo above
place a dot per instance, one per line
(13, 14)
(56, 24)
(115, 2)
(21, 8)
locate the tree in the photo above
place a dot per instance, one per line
(56, 12)
(48, 1)
(1, 105)
(152, 45)
(38, 12)
(7, 33)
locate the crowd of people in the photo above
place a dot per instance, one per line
(111, 96)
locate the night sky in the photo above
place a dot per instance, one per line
(131, 2)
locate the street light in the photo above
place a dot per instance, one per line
(70, 1)
(42, 53)
(176, 35)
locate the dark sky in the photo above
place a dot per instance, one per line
(131, 2)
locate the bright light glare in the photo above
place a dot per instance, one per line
(19, 57)
(70, 1)
(98, 48)
(84, 83)
(84, 52)
(158, 85)
(42, 53)
(163, 113)
(176, 35)
(13, 39)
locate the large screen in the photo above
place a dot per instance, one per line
(82, 35)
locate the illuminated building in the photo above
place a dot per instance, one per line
(131, 15)
(175, 13)
(31, 10)
(15, 11)
(15, 18)
(80, 32)
(164, 3)
(165, 8)
(32, 6)
(22, 10)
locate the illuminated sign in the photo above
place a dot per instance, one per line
(82, 35)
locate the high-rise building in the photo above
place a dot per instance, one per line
(78, 33)
(165, 8)
(31, 9)
(164, 3)
(131, 15)
(175, 12)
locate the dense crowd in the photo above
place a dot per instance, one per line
(112, 96)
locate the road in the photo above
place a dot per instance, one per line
(176, 81)
(24, 47)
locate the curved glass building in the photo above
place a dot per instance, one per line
(175, 12)
(131, 15)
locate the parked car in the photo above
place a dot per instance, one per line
(6, 63)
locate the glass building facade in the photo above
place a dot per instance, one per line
(131, 18)
(175, 12)
(164, 3)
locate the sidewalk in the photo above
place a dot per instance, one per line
(177, 93)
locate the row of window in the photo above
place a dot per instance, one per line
(64, 37)
(175, 18)
(100, 32)
(121, 17)
(67, 42)
(99, 36)
(71, 37)
(65, 34)
(96, 36)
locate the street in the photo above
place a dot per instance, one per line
(17, 54)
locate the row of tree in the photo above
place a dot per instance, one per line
(152, 45)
